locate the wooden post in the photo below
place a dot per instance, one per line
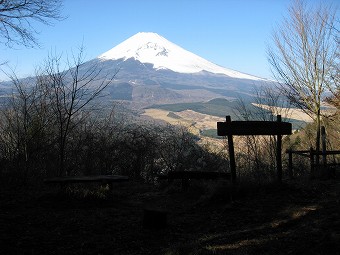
(154, 219)
(312, 163)
(185, 184)
(290, 163)
(324, 155)
(278, 154)
(231, 153)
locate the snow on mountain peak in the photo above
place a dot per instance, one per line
(152, 48)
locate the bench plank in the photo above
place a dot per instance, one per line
(84, 179)
(198, 175)
(185, 176)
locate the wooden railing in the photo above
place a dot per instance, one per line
(312, 154)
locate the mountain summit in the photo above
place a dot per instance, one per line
(154, 49)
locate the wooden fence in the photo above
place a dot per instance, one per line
(313, 156)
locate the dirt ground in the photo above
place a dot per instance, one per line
(208, 218)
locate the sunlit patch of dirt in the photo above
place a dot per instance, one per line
(300, 212)
(238, 245)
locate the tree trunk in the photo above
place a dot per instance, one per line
(317, 142)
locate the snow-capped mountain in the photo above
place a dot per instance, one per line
(154, 49)
(153, 70)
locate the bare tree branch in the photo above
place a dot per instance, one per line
(17, 17)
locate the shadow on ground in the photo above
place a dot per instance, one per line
(293, 218)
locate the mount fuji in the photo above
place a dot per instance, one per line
(153, 70)
(162, 54)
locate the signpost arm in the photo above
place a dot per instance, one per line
(231, 153)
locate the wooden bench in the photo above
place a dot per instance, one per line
(185, 176)
(103, 179)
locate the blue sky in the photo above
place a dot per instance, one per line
(230, 33)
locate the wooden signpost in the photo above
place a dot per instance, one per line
(230, 128)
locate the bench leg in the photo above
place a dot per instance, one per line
(107, 183)
(185, 184)
(110, 186)
(62, 187)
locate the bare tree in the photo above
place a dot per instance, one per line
(17, 18)
(303, 55)
(334, 99)
(70, 93)
(24, 119)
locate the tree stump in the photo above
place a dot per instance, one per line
(154, 219)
